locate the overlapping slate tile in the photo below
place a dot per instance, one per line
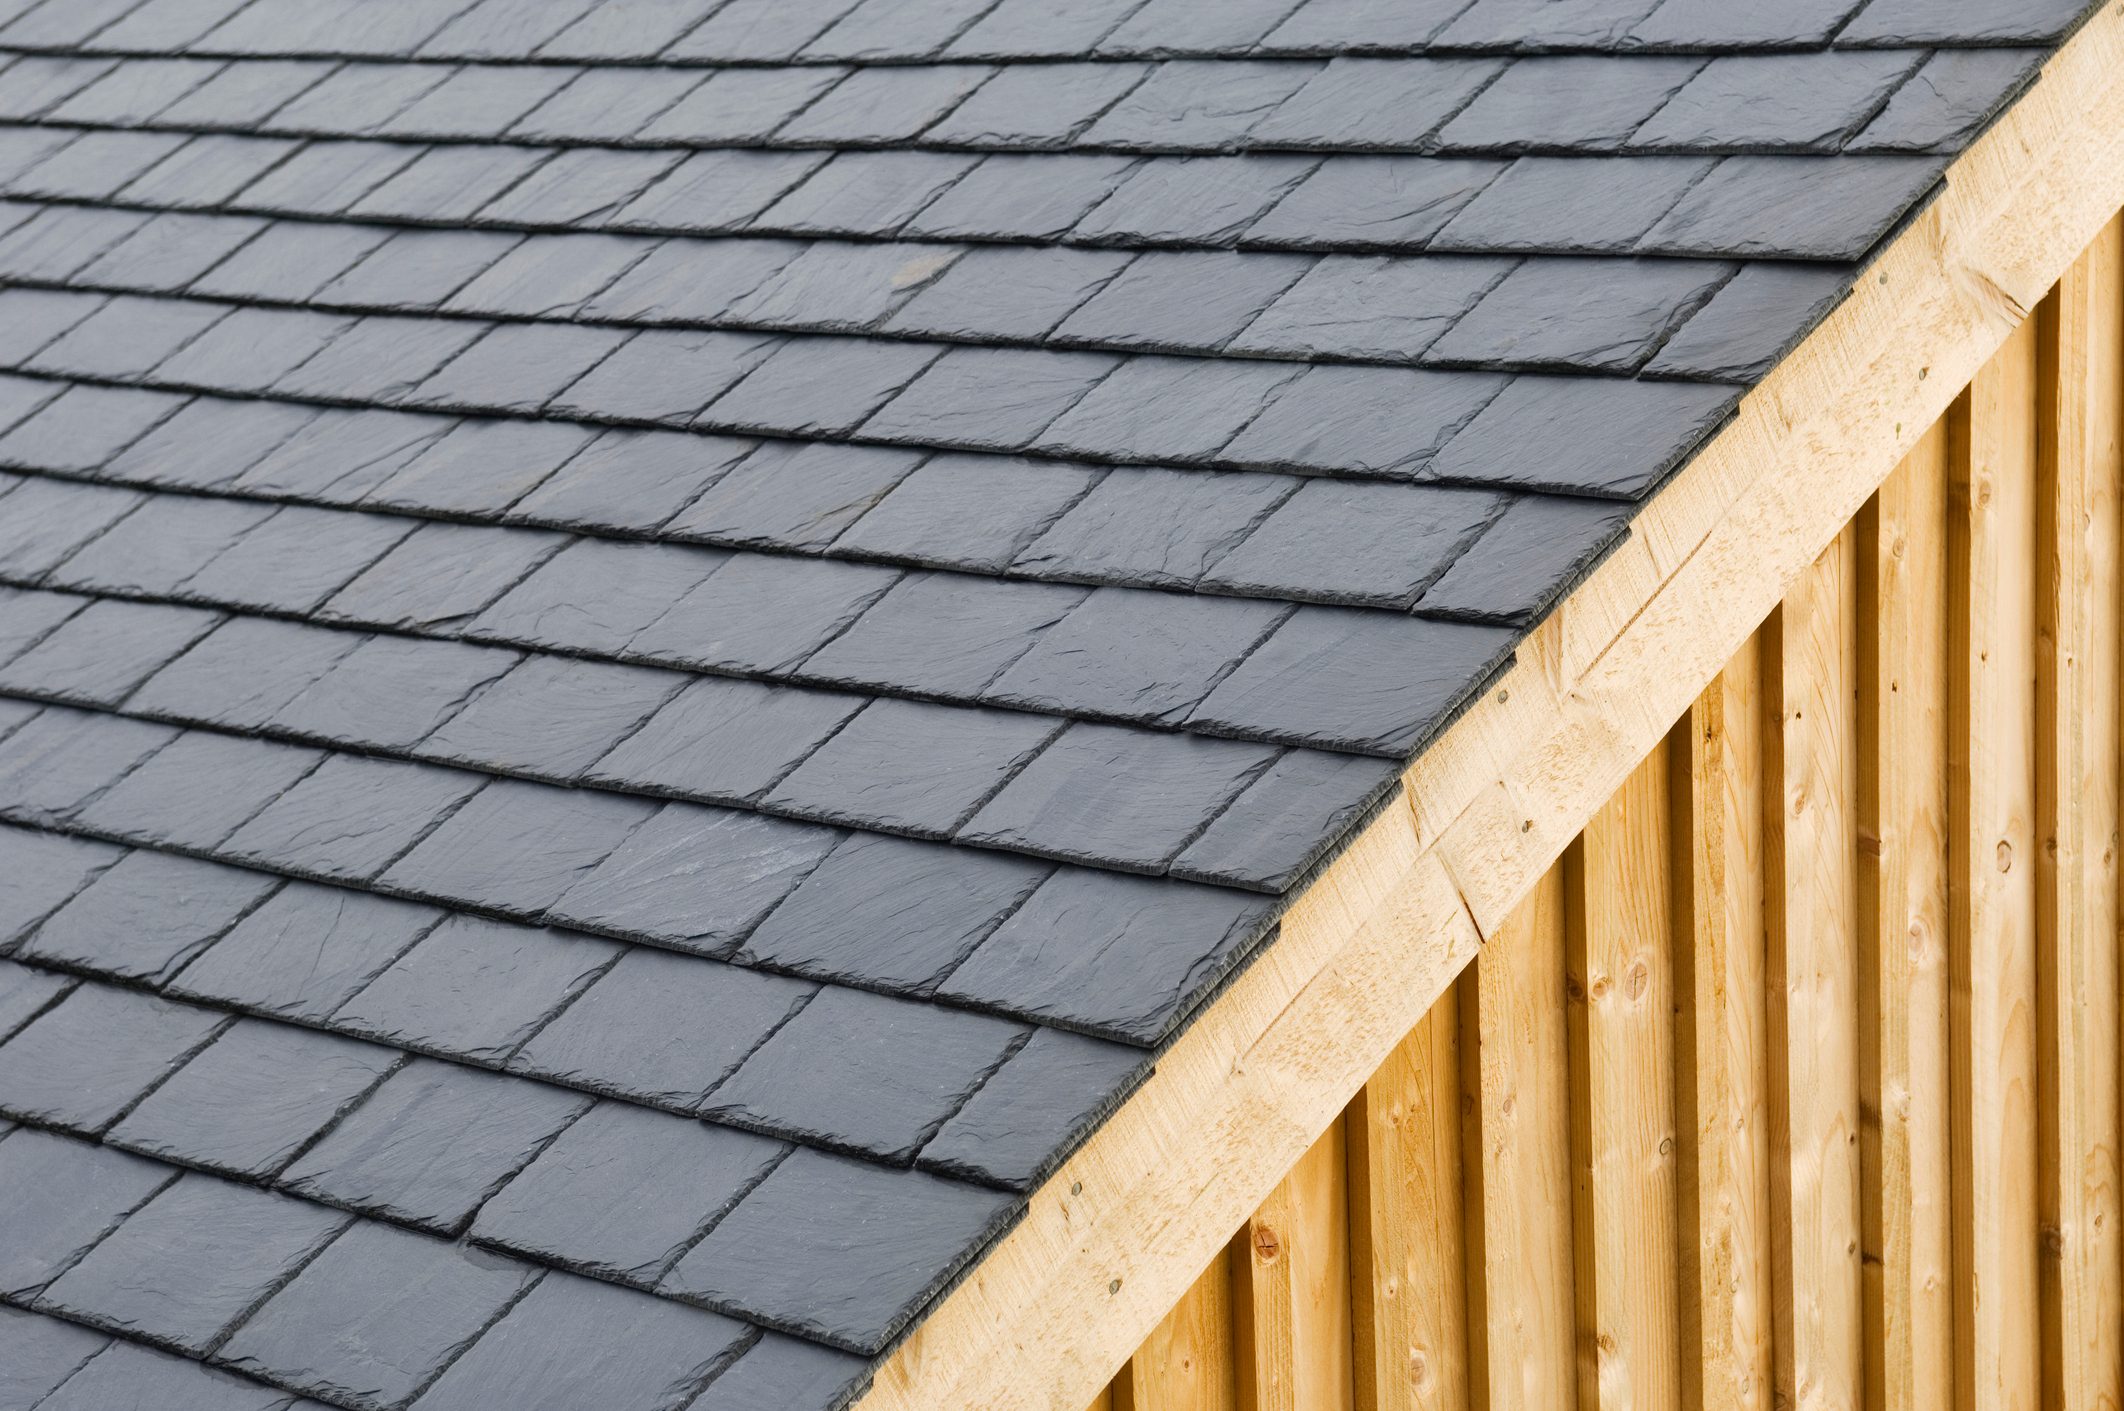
(64, 1196)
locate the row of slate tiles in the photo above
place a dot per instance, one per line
(1226, 671)
(1103, 952)
(840, 31)
(961, 1095)
(1833, 207)
(1668, 318)
(1571, 435)
(1856, 101)
(361, 1314)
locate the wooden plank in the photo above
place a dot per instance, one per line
(1408, 1289)
(1515, 1051)
(1113, 1237)
(1104, 1401)
(1721, 1013)
(2080, 383)
(1620, 977)
(1291, 1288)
(1190, 1360)
(1902, 874)
(1992, 917)
(1810, 842)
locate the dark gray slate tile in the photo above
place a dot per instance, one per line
(884, 911)
(718, 190)
(1527, 560)
(43, 1352)
(882, 29)
(477, 100)
(819, 386)
(843, 285)
(552, 717)
(624, 1191)
(297, 559)
(989, 399)
(375, 1316)
(474, 988)
(24, 993)
(171, 250)
(740, 105)
(84, 428)
(37, 83)
(39, 871)
(338, 456)
(1182, 26)
(595, 595)
(665, 376)
(1032, 27)
(911, 767)
(1716, 24)
(550, 276)
(606, 104)
(1904, 22)
(351, 817)
(794, 495)
(59, 240)
(442, 576)
(503, 29)
(725, 741)
(28, 615)
(1777, 102)
(695, 878)
(1949, 100)
(1571, 205)
(417, 269)
(864, 1073)
(430, 1145)
(518, 846)
(943, 633)
(1193, 104)
(781, 1372)
(305, 951)
(1584, 435)
(1007, 292)
(253, 1099)
(1355, 679)
(759, 29)
(760, 613)
(1195, 200)
(1582, 102)
(1156, 408)
(209, 442)
(1541, 23)
(626, 30)
(96, 164)
(356, 99)
(1135, 655)
(1023, 197)
(129, 1377)
(325, 178)
(1585, 315)
(392, 691)
(661, 1028)
(1122, 957)
(290, 260)
(630, 480)
(207, 170)
(1356, 102)
(1182, 300)
(1373, 203)
(519, 367)
(480, 467)
(1118, 797)
(969, 512)
(52, 764)
(1759, 316)
(840, 1251)
(192, 1261)
(1036, 105)
(1385, 307)
(1384, 421)
(1157, 528)
(1024, 1119)
(1364, 544)
(1286, 820)
(36, 317)
(61, 1197)
(101, 653)
(127, 337)
(380, 359)
(866, 193)
(450, 182)
(582, 187)
(578, 1342)
(1832, 208)
(197, 791)
(890, 103)
(242, 672)
(147, 915)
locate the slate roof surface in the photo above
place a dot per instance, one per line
(649, 648)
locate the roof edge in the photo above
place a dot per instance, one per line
(1120, 1232)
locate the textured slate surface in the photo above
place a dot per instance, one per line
(649, 651)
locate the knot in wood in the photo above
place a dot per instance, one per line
(1266, 1245)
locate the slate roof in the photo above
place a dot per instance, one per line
(651, 647)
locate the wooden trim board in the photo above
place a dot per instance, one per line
(1112, 1242)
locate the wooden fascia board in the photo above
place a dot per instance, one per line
(1122, 1230)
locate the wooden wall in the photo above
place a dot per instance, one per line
(1796, 1084)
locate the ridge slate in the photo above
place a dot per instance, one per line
(650, 650)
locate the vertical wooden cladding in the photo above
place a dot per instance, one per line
(1799, 1081)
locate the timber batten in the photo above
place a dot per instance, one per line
(1822, 1082)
